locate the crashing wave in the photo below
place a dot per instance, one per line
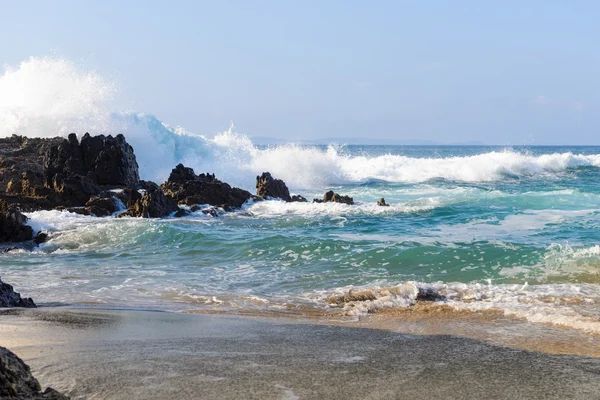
(48, 97)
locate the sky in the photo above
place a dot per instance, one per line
(508, 73)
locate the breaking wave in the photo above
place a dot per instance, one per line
(47, 97)
(566, 305)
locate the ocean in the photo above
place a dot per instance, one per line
(504, 229)
(489, 228)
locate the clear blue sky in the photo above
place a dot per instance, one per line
(505, 72)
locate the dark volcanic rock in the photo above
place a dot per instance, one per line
(203, 189)
(181, 213)
(19, 155)
(110, 161)
(181, 174)
(74, 210)
(128, 196)
(12, 224)
(151, 204)
(29, 184)
(382, 203)
(299, 199)
(72, 189)
(267, 186)
(16, 381)
(105, 160)
(211, 210)
(48, 173)
(77, 170)
(40, 238)
(427, 293)
(10, 298)
(102, 206)
(331, 197)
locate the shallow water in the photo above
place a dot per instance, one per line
(489, 228)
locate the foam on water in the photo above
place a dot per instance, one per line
(567, 305)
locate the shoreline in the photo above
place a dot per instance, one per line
(429, 319)
(492, 326)
(125, 354)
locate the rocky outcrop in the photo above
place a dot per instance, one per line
(40, 238)
(80, 177)
(269, 187)
(102, 206)
(181, 175)
(10, 298)
(104, 160)
(184, 187)
(72, 189)
(17, 382)
(19, 155)
(298, 199)
(332, 197)
(77, 170)
(149, 202)
(13, 226)
(382, 203)
(59, 173)
(48, 173)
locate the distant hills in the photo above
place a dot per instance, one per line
(270, 141)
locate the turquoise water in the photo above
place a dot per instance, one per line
(515, 229)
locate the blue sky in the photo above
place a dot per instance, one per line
(508, 72)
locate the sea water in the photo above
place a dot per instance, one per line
(506, 228)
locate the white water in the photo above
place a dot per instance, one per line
(44, 97)
(569, 305)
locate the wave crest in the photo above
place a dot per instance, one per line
(47, 97)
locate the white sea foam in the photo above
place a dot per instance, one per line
(570, 305)
(49, 97)
(277, 209)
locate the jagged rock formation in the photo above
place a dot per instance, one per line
(181, 175)
(382, 203)
(79, 177)
(13, 226)
(150, 203)
(47, 173)
(267, 186)
(104, 160)
(103, 205)
(296, 198)
(10, 298)
(185, 187)
(331, 197)
(17, 383)
(42, 174)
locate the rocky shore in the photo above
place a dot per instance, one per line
(17, 382)
(10, 298)
(99, 176)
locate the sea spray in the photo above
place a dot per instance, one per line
(45, 97)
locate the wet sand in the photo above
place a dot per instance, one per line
(113, 354)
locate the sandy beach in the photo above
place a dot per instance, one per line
(120, 354)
